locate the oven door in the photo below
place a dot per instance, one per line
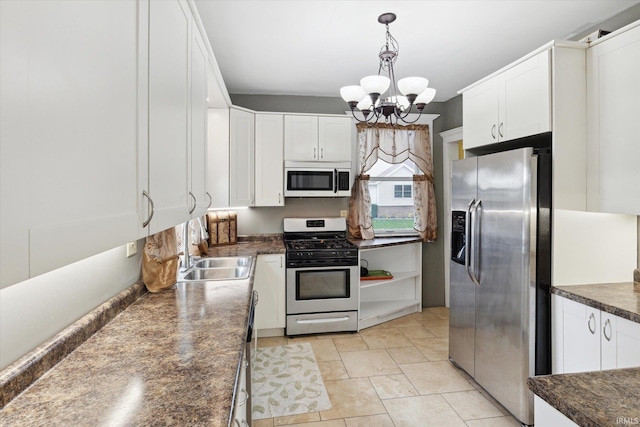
(322, 289)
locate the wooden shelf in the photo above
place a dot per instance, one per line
(397, 276)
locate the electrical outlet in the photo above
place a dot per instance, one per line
(132, 249)
(344, 213)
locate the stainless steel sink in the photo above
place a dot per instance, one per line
(224, 273)
(242, 261)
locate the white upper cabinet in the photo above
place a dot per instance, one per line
(199, 120)
(317, 138)
(69, 135)
(169, 33)
(241, 158)
(218, 155)
(613, 110)
(512, 104)
(269, 167)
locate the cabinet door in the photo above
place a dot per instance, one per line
(270, 284)
(69, 133)
(168, 112)
(334, 139)
(300, 137)
(581, 337)
(198, 154)
(525, 101)
(241, 158)
(613, 108)
(480, 114)
(620, 342)
(269, 179)
(218, 154)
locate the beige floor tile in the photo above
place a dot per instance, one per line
(434, 323)
(435, 377)
(336, 335)
(382, 420)
(438, 331)
(351, 398)
(386, 338)
(368, 363)
(296, 419)
(433, 348)
(324, 350)
(401, 321)
(441, 312)
(330, 423)
(406, 355)
(415, 332)
(471, 405)
(350, 343)
(422, 411)
(263, 423)
(272, 341)
(372, 329)
(333, 370)
(423, 316)
(391, 386)
(508, 421)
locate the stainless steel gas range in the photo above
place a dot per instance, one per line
(321, 276)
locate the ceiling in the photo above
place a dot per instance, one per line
(313, 48)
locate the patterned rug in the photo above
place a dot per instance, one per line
(286, 380)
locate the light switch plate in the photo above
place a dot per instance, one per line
(132, 249)
(344, 213)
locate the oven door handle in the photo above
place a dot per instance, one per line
(327, 320)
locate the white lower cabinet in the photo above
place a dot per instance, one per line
(548, 416)
(587, 339)
(387, 299)
(269, 281)
(241, 409)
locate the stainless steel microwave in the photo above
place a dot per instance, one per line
(317, 179)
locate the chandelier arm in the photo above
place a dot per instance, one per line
(413, 121)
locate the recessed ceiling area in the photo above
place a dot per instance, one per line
(313, 48)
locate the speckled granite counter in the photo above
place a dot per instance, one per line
(170, 358)
(379, 242)
(592, 399)
(602, 398)
(620, 299)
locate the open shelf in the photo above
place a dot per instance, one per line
(397, 276)
(370, 309)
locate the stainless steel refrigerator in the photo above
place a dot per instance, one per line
(499, 330)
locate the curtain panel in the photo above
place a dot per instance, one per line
(394, 144)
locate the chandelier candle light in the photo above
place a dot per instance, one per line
(366, 97)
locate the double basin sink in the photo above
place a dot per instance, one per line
(223, 268)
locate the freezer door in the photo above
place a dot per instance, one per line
(505, 313)
(462, 315)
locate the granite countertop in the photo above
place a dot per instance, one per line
(170, 358)
(601, 398)
(379, 242)
(620, 299)
(593, 399)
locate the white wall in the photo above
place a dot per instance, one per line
(35, 310)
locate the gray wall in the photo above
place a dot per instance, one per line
(269, 220)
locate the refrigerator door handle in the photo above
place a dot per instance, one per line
(469, 242)
(477, 221)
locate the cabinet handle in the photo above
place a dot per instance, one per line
(256, 297)
(500, 130)
(145, 194)
(244, 423)
(245, 398)
(314, 152)
(322, 153)
(604, 329)
(210, 200)
(281, 262)
(195, 202)
(592, 330)
(493, 131)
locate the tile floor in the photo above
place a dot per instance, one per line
(396, 374)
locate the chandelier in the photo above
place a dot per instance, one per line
(367, 96)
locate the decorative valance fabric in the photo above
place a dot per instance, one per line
(394, 144)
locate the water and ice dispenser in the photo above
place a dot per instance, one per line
(458, 238)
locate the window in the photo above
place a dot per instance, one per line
(400, 191)
(391, 191)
